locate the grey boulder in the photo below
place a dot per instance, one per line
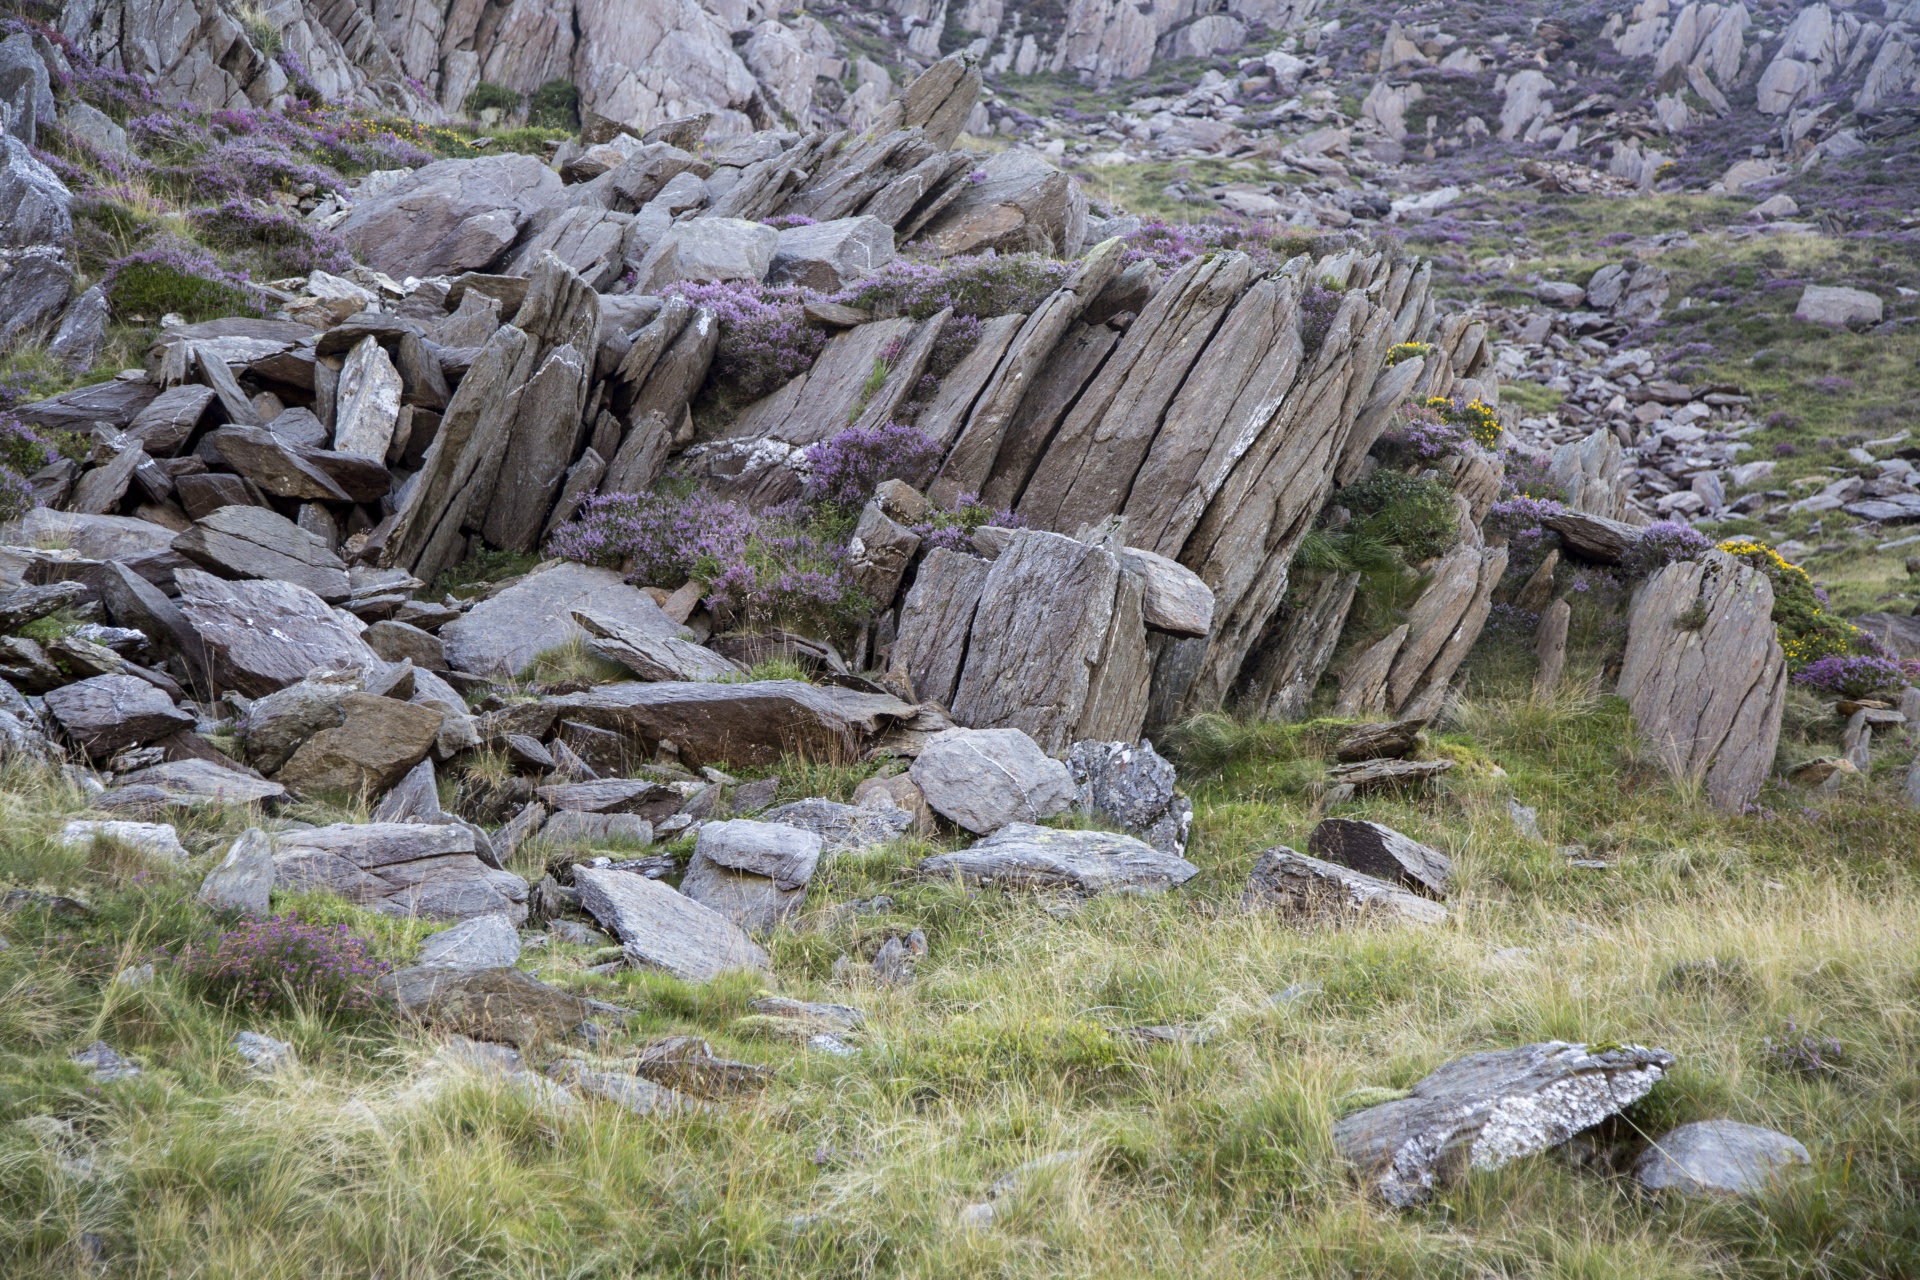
(484, 942)
(35, 206)
(707, 251)
(1131, 787)
(1718, 1157)
(1383, 853)
(1489, 1109)
(400, 869)
(244, 878)
(753, 873)
(983, 779)
(451, 216)
(661, 928)
(843, 827)
(1021, 855)
(106, 713)
(828, 256)
(502, 636)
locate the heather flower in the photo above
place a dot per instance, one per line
(1418, 434)
(1858, 675)
(283, 963)
(765, 339)
(992, 285)
(1663, 543)
(843, 470)
(1318, 307)
(1530, 475)
(953, 527)
(173, 275)
(1800, 1052)
(286, 245)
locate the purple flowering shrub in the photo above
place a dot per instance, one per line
(1418, 434)
(1528, 475)
(952, 527)
(1173, 244)
(787, 221)
(22, 452)
(284, 963)
(765, 339)
(280, 242)
(842, 470)
(1799, 1052)
(173, 275)
(1318, 307)
(783, 564)
(1663, 543)
(1857, 675)
(993, 285)
(1522, 520)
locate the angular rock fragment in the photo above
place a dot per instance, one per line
(155, 839)
(501, 636)
(1383, 853)
(189, 783)
(753, 873)
(253, 542)
(401, 869)
(263, 636)
(376, 743)
(749, 724)
(244, 877)
(1489, 1109)
(1133, 787)
(842, 827)
(106, 713)
(1704, 674)
(983, 779)
(663, 929)
(649, 654)
(1316, 890)
(1021, 855)
(502, 1005)
(483, 942)
(643, 796)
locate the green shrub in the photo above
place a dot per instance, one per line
(554, 105)
(1413, 514)
(493, 96)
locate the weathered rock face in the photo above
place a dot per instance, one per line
(1022, 203)
(843, 827)
(753, 873)
(1132, 787)
(399, 868)
(263, 636)
(661, 929)
(1315, 890)
(747, 724)
(253, 542)
(106, 713)
(1489, 1109)
(451, 216)
(1704, 674)
(375, 744)
(829, 256)
(1383, 853)
(243, 879)
(983, 779)
(35, 206)
(1021, 855)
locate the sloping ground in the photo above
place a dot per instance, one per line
(1774, 955)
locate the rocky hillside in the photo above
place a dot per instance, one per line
(615, 624)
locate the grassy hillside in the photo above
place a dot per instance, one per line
(1778, 954)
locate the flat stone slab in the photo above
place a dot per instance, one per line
(105, 713)
(501, 637)
(842, 827)
(1489, 1109)
(1718, 1157)
(156, 839)
(192, 782)
(484, 942)
(661, 928)
(744, 724)
(651, 656)
(262, 636)
(400, 868)
(1021, 855)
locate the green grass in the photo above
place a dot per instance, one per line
(1213, 1157)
